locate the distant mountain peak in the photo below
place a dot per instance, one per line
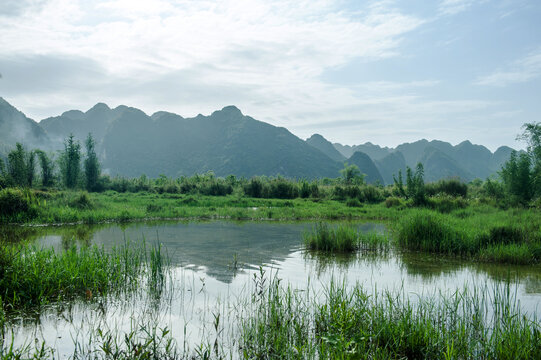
(232, 110)
(100, 106)
(316, 136)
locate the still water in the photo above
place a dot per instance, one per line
(213, 270)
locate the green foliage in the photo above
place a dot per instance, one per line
(16, 204)
(352, 175)
(517, 177)
(353, 202)
(92, 166)
(21, 166)
(325, 238)
(399, 185)
(393, 202)
(431, 232)
(447, 203)
(33, 277)
(82, 202)
(451, 187)
(349, 323)
(70, 162)
(415, 185)
(47, 168)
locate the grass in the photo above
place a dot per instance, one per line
(466, 228)
(487, 237)
(326, 238)
(31, 277)
(352, 324)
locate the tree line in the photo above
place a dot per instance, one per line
(518, 182)
(21, 167)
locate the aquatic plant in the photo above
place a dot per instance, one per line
(351, 324)
(30, 276)
(324, 237)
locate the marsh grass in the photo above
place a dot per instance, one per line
(326, 238)
(353, 324)
(344, 239)
(514, 239)
(30, 277)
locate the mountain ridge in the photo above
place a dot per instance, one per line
(130, 143)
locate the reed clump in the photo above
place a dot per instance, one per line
(353, 324)
(31, 277)
(326, 238)
(428, 231)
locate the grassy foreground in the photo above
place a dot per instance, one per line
(31, 277)
(353, 324)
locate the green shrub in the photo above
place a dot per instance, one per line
(353, 202)
(82, 202)
(371, 194)
(16, 203)
(451, 187)
(446, 203)
(393, 202)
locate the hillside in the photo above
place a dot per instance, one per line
(131, 143)
(326, 147)
(226, 142)
(16, 127)
(367, 167)
(465, 160)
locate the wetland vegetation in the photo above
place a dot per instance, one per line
(495, 221)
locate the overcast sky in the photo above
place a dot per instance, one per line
(354, 71)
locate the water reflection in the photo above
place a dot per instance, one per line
(223, 250)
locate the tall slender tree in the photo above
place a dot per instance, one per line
(47, 168)
(30, 167)
(17, 168)
(70, 162)
(92, 165)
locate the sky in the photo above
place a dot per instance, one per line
(383, 71)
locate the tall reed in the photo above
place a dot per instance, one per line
(351, 323)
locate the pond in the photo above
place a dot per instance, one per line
(215, 267)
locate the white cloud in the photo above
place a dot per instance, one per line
(453, 7)
(520, 71)
(266, 52)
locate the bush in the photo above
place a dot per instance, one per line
(82, 202)
(451, 187)
(446, 203)
(353, 202)
(254, 188)
(371, 195)
(282, 189)
(393, 202)
(15, 203)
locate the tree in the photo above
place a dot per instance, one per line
(3, 180)
(30, 167)
(47, 168)
(352, 175)
(532, 136)
(517, 177)
(92, 165)
(70, 162)
(415, 184)
(17, 169)
(399, 184)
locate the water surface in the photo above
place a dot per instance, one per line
(214, 264)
